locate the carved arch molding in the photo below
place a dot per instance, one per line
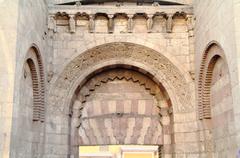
(34, 61)
(115, 103)
(162, 70)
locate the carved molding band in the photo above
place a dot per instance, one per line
(90, 15)
(170, 75)
(90, 86)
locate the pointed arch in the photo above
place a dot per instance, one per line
(144, 59)
(215, 102)
(34, 61)
(212, 53)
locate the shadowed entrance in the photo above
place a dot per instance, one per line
(120, 106)
(77, 87)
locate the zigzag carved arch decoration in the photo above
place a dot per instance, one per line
(89, 134)
(77, 71)
(127, 75)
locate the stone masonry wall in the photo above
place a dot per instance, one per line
(210, 28)
(68, 40)
(224, 143)
(237, 89)
(8, 37)
(70, 33)
(31, 31)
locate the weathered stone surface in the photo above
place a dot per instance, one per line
(106, 102)
(116, 73)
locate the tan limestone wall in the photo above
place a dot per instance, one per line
(24, 140)
(8, 35)
(211, 27)
(120, 24)
(222, 112)
(31, 28)
(68, 46)
(237, 35)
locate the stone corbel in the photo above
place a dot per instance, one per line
(150, 23)
(155, 4)
(190, 24)
(91, 23)
(130, 23)
(78, 3)
(72, 24)
(169, 23)
(110, 24)
(170, 110)
(189, 19)
(52, 25)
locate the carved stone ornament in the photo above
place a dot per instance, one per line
(52, 24)
(169, 23)
(170, 75)
(72, 24)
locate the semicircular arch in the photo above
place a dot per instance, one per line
(131, 40)
(175, 83)
(212, 53)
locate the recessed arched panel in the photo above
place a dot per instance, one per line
(120, 23)
(34, 61)
(64, 98)
(215, 101)
(101, 23)
(140, 23)
(82, 21)
(210, 57)
(180, 23)
(159, 23)
(31, 111)
(120, 106)
(206, 94)
(36, 91)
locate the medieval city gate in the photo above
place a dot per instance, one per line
(95, 72)
(119, 93)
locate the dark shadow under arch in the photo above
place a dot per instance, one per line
(166, 112)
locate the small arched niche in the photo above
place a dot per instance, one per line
(82, 22)
(31, 112)
(101, 23)
(159, 23)
(215, 103)
(121, 106)
(179, 22)
(140, 23)
(62, 19)
(120, 23)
